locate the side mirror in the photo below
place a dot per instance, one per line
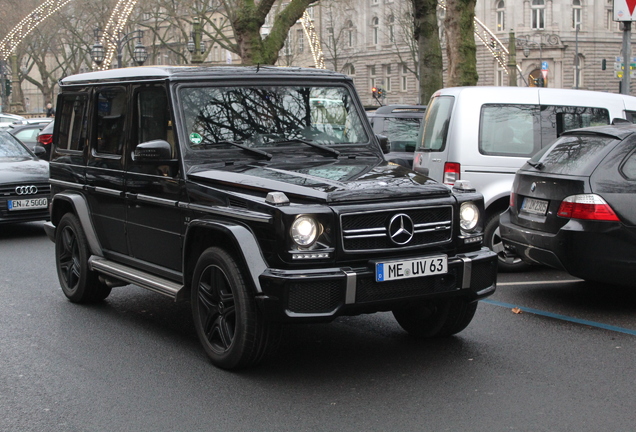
(385, 144)
(153, 151)
(39, 151)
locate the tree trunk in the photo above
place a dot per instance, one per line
(427, 36)
(460, 43)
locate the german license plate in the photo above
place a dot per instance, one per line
(410, 268)
(534, 206)
(28, 204)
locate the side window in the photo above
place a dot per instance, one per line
(152, 116)
(558, 119)
(509, 130)
(436, 123)
(111, 120)
(71, 115)
(630, 116)
(628, 169)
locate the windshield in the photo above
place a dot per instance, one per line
(436, 123)
(10, 147)
(403, 133)
(266, 116)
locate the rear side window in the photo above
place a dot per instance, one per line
(629, 167)
(509, 130)
(111, 120)
(71, 115)
(436, 123)
(576, 155)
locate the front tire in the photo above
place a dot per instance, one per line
(78, 282)
(436, 318)
(229, 325)
(508, 262)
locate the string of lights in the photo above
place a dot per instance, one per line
(314, 41)
(28, 23)
(114, 27)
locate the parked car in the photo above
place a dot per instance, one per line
(33, 121)
(485, 134)
(261, 195)
(8, 119)
(573, 206)
(401, 124)
(26, 133)
(24, 183)
(45, 139)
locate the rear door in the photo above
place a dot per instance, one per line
(105, 167)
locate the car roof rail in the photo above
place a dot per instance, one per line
(386, 109)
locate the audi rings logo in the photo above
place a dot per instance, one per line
(401, 229)
(26, 190)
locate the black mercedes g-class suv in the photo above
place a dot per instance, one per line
(261, 195)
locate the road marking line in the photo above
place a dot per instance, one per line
(539, 282)
(562, 317)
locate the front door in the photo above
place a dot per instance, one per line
(155, 224)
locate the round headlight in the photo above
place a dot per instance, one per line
(304, 231)
(468, 216)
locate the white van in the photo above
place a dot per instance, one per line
(485, 134)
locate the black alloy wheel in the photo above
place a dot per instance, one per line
(228, 323)
(78, 282)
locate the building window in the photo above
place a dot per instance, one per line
(578, 72)
(349, 69)
(501, 16)
(576, 14)
(538, 14)
(388, 69)
(391, 21)
(500, 75)
(300, 40)
(388, 83)
(404, 77)
(375, 24)
(610, 24)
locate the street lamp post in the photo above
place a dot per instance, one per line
(140, 53)
(196, 42)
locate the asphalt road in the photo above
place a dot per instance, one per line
(564, 363)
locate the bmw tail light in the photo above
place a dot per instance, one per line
(45, 139)
(451, 172)
(588, 206)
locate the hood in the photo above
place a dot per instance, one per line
(337, 181)
(23, 170)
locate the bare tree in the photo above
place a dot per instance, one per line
(338, 32)
(426, 32)
(460, 47)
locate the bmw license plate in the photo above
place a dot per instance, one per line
(403, 269)
(28, 204)
(534, 206)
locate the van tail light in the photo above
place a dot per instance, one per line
(513, 199)
(45, 139)
(588, 206)
(451, 173)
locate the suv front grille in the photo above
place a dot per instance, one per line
(369, 231)
(9, 190)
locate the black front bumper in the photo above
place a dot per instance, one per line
(322, 295)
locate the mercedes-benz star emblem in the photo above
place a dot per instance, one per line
(400, 229)
(26, 190)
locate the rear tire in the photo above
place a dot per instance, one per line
(229, 325)
(508, 262)
(436, 318)
(78, 282)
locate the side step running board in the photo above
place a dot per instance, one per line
(137, 277)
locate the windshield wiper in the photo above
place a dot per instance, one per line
(333, 151)
(536, 165)
(240, 145)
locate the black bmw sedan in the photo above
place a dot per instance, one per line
(24, 182)
(573, 206)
